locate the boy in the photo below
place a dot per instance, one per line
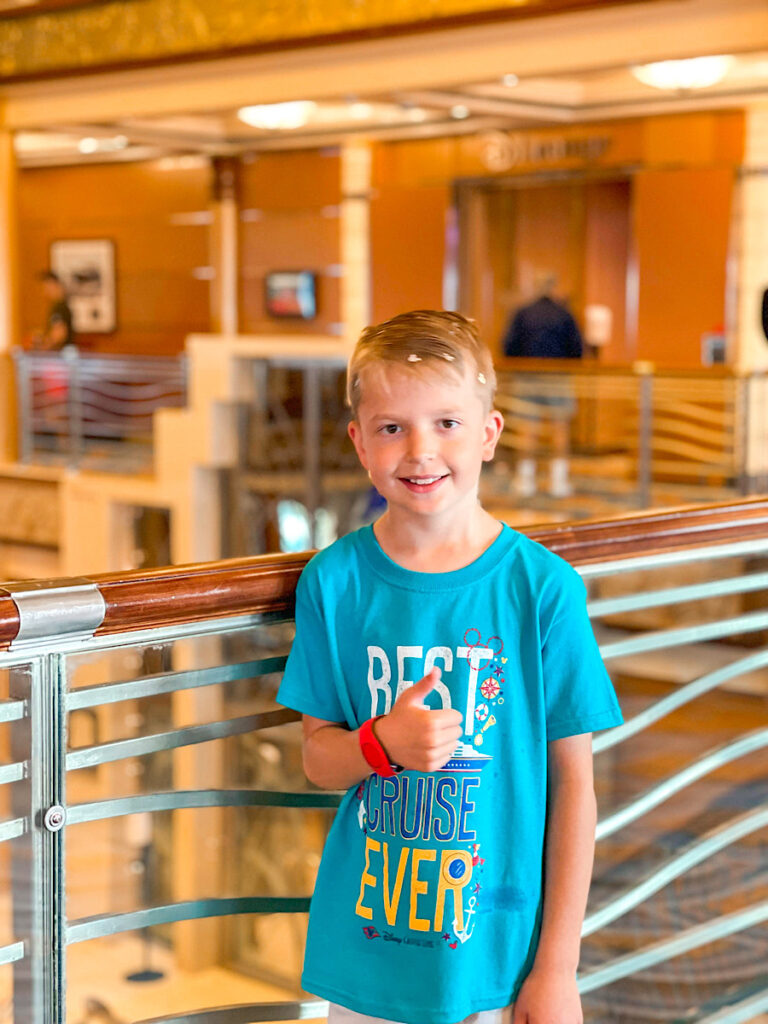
(449, 681)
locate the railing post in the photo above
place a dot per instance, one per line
(74, 403)
(37, 866)
(25, 412)
(312, 430)
(742, 439)
(645, 434)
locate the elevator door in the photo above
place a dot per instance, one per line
(511, 234)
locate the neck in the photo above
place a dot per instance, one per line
(428, 546)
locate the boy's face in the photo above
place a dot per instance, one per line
(423, 436)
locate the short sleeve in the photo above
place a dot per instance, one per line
(579, 694)
(308, 681)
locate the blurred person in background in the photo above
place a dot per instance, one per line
(545, 329)
(58, 330)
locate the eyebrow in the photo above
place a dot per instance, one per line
(440, 414)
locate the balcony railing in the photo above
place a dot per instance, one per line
(634, 433)
(93, 409)
(156, 819)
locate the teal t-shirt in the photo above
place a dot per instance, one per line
(428, 897)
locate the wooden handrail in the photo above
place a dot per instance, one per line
(654, 532)
(148, 599)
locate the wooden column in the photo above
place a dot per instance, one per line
(355, 238)
(224, 246)
(9, 292)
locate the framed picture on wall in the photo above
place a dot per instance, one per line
(291, 293)
(86, 268)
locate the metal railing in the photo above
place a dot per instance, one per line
(93, 409)
(631, 430)
(154, 805)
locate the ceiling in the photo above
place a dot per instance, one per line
(559, 69)
(508, 102)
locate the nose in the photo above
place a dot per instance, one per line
(420, 444)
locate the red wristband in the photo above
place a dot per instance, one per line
(372, 750)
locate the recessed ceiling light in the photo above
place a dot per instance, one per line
(278, 116)
(459, 111)
(694, 73)
(88, 145)
(360, 111)
(510, 80)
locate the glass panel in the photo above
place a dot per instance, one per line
(716, 790)
(24, 859)
(155, 855)
(123, 978)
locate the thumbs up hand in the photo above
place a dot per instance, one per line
(415, 736)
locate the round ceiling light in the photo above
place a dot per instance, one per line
(278, 116)
(694, 73)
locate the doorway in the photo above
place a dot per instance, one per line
(513, 230)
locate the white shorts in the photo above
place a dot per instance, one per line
(341, 1015)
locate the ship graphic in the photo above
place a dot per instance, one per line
(466, 759)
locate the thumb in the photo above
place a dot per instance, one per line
(415, 694)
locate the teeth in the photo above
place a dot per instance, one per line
(423, 480)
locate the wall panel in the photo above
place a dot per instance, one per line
(156, 213)
(290, 209)
(682, 223)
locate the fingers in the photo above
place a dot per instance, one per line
(423, 688)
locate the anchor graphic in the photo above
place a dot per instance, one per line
(466, 932)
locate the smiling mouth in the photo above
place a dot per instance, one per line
(422, 483)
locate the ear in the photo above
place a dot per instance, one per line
(494, 424)
(356, 434)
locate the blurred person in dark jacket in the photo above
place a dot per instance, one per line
(545, 329)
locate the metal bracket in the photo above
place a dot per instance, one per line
(71, 609)
(55, 818)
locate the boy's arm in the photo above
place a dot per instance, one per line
(414, 736)
(549, 994)
(332, 755)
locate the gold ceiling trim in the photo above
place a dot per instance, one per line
(129, 32)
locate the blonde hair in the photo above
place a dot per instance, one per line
(436, 337)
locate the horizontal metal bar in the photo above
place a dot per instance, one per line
(685, 556)
(13, 829)
(12, 710)
(699, 851)
(10, 954)
(738, 1013)
(677, 595)
(710, 762)
(169, 682)
(112, 924)
(666, 949)
(139, 746)
(138, 637)
(13, 772)
(181, 799)
(678, 699)
(655, 641)
(246, 1013)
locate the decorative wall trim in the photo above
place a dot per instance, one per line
(126, 33)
